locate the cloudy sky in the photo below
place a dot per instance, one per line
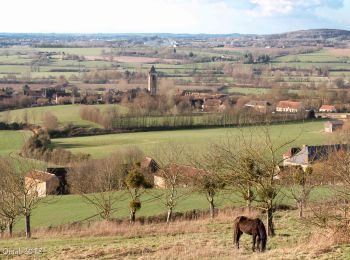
(175, 16)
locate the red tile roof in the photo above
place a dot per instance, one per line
(327, 107)
(289, 104)
(40, 175)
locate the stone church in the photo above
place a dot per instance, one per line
(153, 81)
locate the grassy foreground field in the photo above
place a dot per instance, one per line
(196, 239)
(196, 140)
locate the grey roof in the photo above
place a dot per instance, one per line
(309, 154)
(334, 122)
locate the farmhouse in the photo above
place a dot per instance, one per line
(308, 154)
(331, 126)
(327, 109)
(186, 173)
(150, 165)
(41, 183)
(289, 106)
(260, 106)
(213, 105)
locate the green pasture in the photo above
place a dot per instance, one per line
(14, 69)
(309, 65)
(58, 210)
(17, 61)
(196, 140)
(320, 56)
(12, 141)
(66, 114)
(246, 91)
(76, 51)
(14, 59)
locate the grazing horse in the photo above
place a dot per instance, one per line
(254, 227)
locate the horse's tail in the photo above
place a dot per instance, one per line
(262, 234)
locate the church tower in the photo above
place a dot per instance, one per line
(152, 81)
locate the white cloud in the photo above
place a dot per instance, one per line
(284, 7)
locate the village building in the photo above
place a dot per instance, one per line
(152, 81)
(36, 94)
(63, 94)
(331, 126)
(327, 109)
(310, 153)
(260, 106)
(41, 183)
(213, 105)
(150, 165)
(186, 174)
(287, 106)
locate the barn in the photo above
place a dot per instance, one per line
(42, 183)
(331, 126)
(287, 106)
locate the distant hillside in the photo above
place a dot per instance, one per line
(314, 37)
(313, 34)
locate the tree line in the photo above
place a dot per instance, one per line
(111, 119)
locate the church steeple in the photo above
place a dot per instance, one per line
(152, 81)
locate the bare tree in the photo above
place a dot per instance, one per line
(50, 121)
(3, 225)
(338, 164)
(265, 148)
(96, 181)
(238, 171)
(9, 209)
(23, 193)
(207, 179)
(172, 170)
(300, 186)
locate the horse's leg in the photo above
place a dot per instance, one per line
(237, 237)
(259, 246)
(254, 239)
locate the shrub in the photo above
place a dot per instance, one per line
(50, 121)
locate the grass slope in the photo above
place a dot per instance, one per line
(12, 141)
(196, 239)
(60, 210)
(197, 140)
(65, 114)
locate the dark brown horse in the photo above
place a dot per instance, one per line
(254, 227)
